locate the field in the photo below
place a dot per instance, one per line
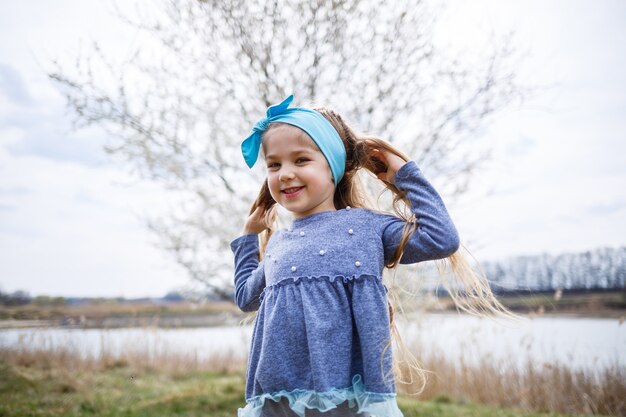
(186, 314)
(114, 314)
(61, 382)
(122, 390)
(581, 303)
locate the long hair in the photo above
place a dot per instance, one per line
(469, 288)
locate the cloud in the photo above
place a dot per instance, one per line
(15, 190)
(7, 207)
(12, 86)
(85, 197)
(520, 147)
(602, 209)
(41, 128)
(72, 230)
(62, 146)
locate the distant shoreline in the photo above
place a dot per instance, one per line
(165, 322)
(110, 315)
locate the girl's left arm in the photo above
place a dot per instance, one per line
(436, 236)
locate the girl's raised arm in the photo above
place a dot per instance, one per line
(436, 236)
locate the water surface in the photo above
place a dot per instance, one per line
(576, 342)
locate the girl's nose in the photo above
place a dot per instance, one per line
(286, 175)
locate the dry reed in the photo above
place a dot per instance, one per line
(158, 357)
(534, 387)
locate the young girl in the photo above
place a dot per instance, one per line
(320, 343)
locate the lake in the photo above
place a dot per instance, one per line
(576, 342)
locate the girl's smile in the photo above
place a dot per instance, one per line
(292, 192)
(298, 175)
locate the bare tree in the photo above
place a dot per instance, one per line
(179, 108)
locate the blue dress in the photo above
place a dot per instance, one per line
(318, 342)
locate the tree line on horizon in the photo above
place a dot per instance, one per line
(603, 268)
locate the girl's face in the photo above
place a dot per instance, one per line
(298, 175)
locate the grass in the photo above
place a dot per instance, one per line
(125, 390)
(542, 388)
(155, 380)
(116, 391)
(103, 311)
(588, 304)
(113, 314)
(584, 303)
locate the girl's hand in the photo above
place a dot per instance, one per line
(256, 222)
(391, 160)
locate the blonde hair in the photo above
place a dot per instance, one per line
(474, 295)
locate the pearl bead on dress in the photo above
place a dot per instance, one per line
(351, 231)
(293, 269)
(302, 233)
(322, 252)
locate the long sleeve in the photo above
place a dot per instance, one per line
(249, 272)
(436, 236)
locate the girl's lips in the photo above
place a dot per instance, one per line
(292, 194)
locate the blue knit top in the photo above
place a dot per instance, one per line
(323, 319)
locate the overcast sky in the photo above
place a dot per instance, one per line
(70, 217)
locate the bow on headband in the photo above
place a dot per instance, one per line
(312, 122)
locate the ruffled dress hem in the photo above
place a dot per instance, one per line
(373, 403)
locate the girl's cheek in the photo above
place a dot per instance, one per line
(272, 178)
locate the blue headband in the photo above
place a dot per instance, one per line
(312, 122)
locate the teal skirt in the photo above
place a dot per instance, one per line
(272, 408)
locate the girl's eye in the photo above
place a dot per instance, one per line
(277, 165)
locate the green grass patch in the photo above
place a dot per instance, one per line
(117, 392)
(124, 391)
(443, 406)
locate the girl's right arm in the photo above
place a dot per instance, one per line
(249, 272)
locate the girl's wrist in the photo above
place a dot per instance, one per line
(394, 167)
(397, 165)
